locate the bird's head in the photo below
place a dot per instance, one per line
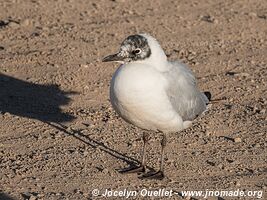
(139, 47)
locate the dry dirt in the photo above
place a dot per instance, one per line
(60, 138)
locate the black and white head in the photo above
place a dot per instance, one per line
(139, 47)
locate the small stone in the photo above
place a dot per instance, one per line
(197, 153)
(13, 24)
(69, 129)
(213, 198)
(25, 22)
(220, 166)
(211, 163)
(252, 14)
(84, 65)
(238, 140)
(188, 197)
(215, 21)
(3, 23)
(257, 145)
(210, 19)
(26, 195)
(242, 74)
(32, 198)
(230, 73)
(119, 1)
(78, 191)
(237, 183)
(253, 62)
(208, 133)
(86, 87)
(263, 111)
(40, 195)
(262, 16)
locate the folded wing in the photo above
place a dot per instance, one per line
(183, 93)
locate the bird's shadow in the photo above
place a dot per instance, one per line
(4, 196)
(42, 102)
(31, 100)
(77, 134)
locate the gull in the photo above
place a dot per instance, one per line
(154, 94)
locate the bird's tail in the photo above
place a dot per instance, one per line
(208, 95)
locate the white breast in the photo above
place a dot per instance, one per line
(137, 93)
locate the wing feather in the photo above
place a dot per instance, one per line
(183, 93)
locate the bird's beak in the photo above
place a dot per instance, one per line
(114, 57)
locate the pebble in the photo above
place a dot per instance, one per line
(220, 166)
(69, 129)
(3, 23)
(237, 183)
(237, 140)
(84, 65)
(59, 194)
(26, 195)
(229, 73)
(263, 111)
(242, 74)
(40, 195)
(105, 171)
(213, 198)
(78, 191)
(262, 16)
(210, 19)
(13, 25)
(25, 22)
(257, 145)
(237, 74)
(197, 153)
(86, 87)
(119, 1)
(252, 14)
(32, 198)
(211, 163)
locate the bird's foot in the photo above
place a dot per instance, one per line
(159, 175)
(133, 169)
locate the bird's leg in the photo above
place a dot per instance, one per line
(163, 145)
(142, 167)
(159, 174)
(145, 140)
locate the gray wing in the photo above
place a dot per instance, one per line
(183, 93)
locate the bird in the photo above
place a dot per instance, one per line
(154, 94)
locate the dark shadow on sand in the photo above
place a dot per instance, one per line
(33, 100)
(77, 134)
(4, 196)
(42, 102)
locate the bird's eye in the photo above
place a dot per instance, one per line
(136, 51)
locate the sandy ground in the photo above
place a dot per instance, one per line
(60, 138)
